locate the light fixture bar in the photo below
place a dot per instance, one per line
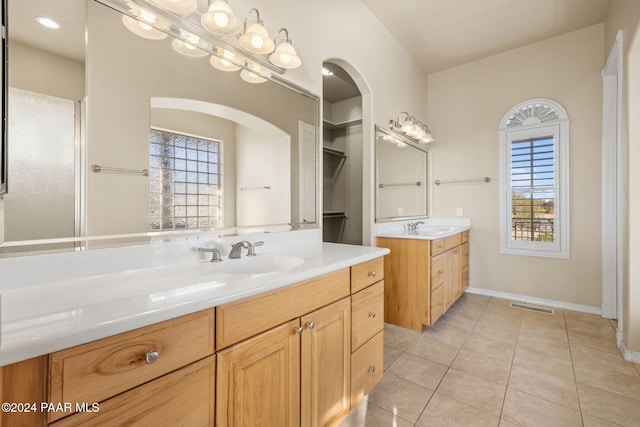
(178, 25)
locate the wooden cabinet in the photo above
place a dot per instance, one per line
(303, 354)
(423, 278)
(255, 381)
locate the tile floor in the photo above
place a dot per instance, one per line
(486, 364)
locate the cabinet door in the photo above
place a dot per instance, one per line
(259, 380)
(326, 366)
(452, 277)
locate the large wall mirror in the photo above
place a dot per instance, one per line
(112, 134)
(401, 177)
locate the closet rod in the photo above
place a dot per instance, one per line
(403, 184)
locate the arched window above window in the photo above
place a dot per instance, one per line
(534, 197)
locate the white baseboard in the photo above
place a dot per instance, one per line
(538, 301)
(631, 356)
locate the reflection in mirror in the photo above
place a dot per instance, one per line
(401, 177)
(220, 152)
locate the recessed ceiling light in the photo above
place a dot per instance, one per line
(47, 22)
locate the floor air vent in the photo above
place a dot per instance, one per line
(528, 307)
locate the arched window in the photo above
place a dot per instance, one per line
(534, 172)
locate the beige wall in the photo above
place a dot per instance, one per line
(465, 106)
(625, 15)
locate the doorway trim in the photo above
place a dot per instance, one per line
(611, 250)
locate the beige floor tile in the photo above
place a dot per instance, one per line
(398, 337)
(605, 343)
(476, 392)
(505, 423)
(601, 360)
(547, 345)
(444, 412)
(448, 332)
(460, 317)
(366, 414)
(598, 330)
(554, 389)
(583, 317)
(496, 348)
(614, 382)
(433, 349)
(482, 366)
(491, 331)
(526, 410)
(401, 397)
(390, 355)
(589, 421)
(560, 367)
(609, 406)
(556, 333)
(418, 370)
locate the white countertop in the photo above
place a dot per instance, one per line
(430, 229)
(47, 317)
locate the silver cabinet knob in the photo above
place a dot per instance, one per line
(372, 368)
(311, 325)
(298, 330)
(372, 314)
(151, 357)
(372, 274)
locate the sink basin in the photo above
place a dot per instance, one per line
(434, 231)
(260, 264)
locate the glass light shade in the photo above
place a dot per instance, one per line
(256, 39)
(143, 29)
(181, 7)
(228, 63)
(427, 138)
(187, 49)
(406, 126)
(285, 56)
(251, 76)
(220, 19)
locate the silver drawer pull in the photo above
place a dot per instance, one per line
(152, 356)
(372, 274)
(372, 314)
(311, 325)
(298, 330)
(372, 368)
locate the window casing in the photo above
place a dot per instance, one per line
(185, 181)
(534, 201)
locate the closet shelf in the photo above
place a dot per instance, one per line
(334, 152)
(331, 125)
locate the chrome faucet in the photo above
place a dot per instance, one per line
(413, 226)
(215, 254)
(236, 249)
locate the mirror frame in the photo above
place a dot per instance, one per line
(118, 240)
(4, 78)
(380, 130)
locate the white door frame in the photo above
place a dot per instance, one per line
(611, 181)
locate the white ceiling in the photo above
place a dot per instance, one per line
(441, 34)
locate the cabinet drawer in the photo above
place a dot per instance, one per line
(465, 236)
(437, 304)
(452, 241)
(367, 314)
(437, 247)
(366, 273)
(184, 397)
(366, 368)
(101, 369)
(247, 317)
(437, 271)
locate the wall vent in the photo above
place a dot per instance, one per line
(529, 307)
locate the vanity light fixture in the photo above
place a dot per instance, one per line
(47, 22)
(219, 19)
(255, 74)
(189, 45)
(181, 7)
(285, 55)
(414, 129)
(255, 38)
(145, 24)
(226, 61)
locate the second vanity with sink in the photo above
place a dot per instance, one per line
(291, 336)
(426, 271)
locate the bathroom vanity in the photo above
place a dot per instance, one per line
(426, 271)
(295, 347)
